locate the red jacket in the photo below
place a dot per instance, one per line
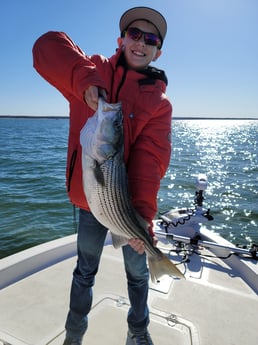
(146, 111)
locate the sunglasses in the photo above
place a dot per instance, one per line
(149, 38)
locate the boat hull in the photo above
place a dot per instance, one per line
(201, 310)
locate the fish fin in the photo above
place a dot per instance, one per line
(141, 220)
(99, 174)
(161, 265)
(118, 241)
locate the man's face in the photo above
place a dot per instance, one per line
(139, 54)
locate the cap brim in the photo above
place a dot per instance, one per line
(144, 13)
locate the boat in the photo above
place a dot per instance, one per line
(216, 303)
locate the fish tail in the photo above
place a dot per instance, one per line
(161, 265)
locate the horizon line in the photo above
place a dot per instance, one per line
(173, 117)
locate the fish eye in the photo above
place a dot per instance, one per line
(117, 124)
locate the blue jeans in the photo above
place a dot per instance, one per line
(91, 237)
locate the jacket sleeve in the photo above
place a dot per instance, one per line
(62, 63)
(149, 160)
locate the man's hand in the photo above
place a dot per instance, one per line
(138, 245)
(91, 96)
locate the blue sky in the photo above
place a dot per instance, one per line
(210, 54)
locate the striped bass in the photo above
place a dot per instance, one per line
(106, 187)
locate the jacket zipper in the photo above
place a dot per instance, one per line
(121, 84)
(71, 169)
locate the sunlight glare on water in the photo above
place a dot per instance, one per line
(226, 151)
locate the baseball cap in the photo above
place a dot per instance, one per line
(144, 13)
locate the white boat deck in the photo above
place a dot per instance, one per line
(213, 306)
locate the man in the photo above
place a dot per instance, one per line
(126, 77)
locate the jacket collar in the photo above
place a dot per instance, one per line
(151, 73)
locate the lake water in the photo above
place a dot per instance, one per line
(34, 207)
